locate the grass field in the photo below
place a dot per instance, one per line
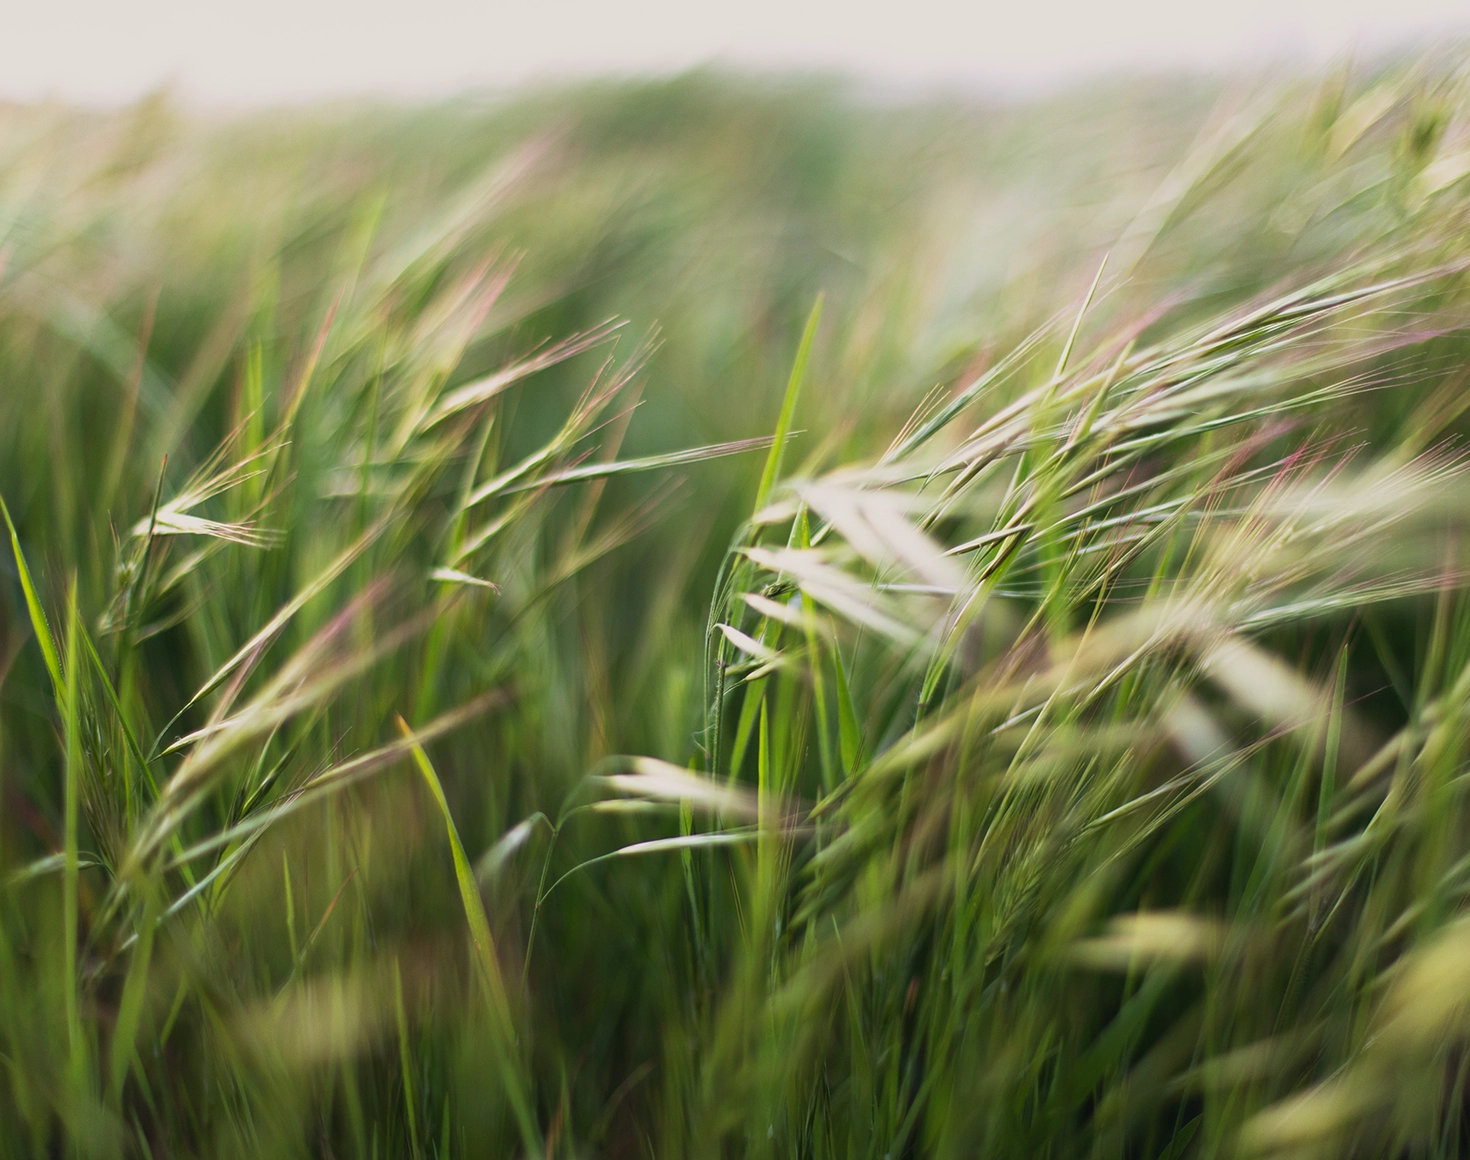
(727, 618)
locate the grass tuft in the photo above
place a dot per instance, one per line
(1014, 706)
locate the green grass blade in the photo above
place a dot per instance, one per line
(76, 1043)
(405, 1062)
(771, 473)
(33, 606)
(130, 1008)
(486, 959)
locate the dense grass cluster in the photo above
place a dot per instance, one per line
(706, 619)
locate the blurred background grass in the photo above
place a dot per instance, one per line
(307, 290)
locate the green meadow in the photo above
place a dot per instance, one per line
(735, 618)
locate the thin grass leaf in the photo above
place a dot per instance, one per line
(33, 606)
(486, 959)
(772, 470)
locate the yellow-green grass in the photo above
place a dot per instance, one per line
(721, 618)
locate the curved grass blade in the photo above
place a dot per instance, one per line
(485, 957)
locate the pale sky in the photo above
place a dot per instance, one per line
(229, 52)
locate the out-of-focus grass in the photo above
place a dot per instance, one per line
(439, 719)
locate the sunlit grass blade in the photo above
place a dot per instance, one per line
(39, 625)
(590, 471)
(772, 470)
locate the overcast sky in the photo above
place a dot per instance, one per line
(232, 52)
